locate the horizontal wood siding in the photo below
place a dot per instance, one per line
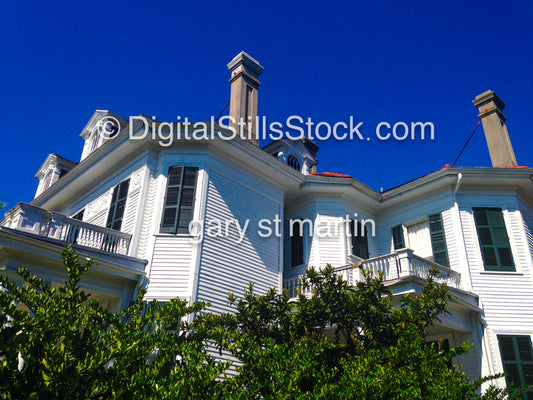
(171, 268)
(413, 211)
(228, 266)
(507, 297)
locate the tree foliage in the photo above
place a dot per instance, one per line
(55, 343)
(331, 342)
(376, 348)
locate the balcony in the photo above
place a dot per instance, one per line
(49, 224)
(395, 267)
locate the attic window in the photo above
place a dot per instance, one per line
(292, 161)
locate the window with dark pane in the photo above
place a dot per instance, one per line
(292, 161)
(179, 200)
(118, 204)
(517, 358)
(297, 246)
(359, 239)
(438, 240)
(397, 237)
(493, 239)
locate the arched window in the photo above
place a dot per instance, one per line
(292, 161)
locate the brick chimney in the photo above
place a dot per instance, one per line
(244, 81)
(490, 108)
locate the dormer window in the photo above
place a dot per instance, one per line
(292, 161)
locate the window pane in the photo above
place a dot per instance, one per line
(506, 348)
(496, 217)
(481, 217)
(505, 257)
(485, 237)
(524, 348)
(123, 191)
(500, 236)
(513, 375)
(187, 197)
(489, 256)
(528, 373)
(185, 217)
(189, 178)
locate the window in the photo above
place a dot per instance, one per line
(179, 200)
(359, 239)
(297, 244)
(397, 237)
(79, 215)
(118, 204)
(493, 239)
(517, 359)
(426, 238)
(292, 161)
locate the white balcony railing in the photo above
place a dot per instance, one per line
(395, 266)
(27, 218)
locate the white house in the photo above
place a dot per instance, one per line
(189, 216)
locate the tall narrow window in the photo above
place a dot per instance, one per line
(397, 237)
(359, 240)
(118, 204)
(179, 200)
(493, 239)
(438, 240)
(292, 161)
(297, 245)
(517, 359)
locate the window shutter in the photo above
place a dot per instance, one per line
(493, 239)
(178, 209)
(438, 240)
(397, 237)
(118, 204)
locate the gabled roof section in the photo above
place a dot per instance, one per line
(54, 160)
(97, 116)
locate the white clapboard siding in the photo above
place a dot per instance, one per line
(470, 361)
(171, 268)
(407, 213)
(507, 298)
(228, 266)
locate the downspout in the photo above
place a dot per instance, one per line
(457, 185)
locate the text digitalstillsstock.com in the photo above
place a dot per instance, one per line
(294, 127)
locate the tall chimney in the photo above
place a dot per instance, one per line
(490, 108)
(244, 81)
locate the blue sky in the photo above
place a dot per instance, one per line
(381, 61)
